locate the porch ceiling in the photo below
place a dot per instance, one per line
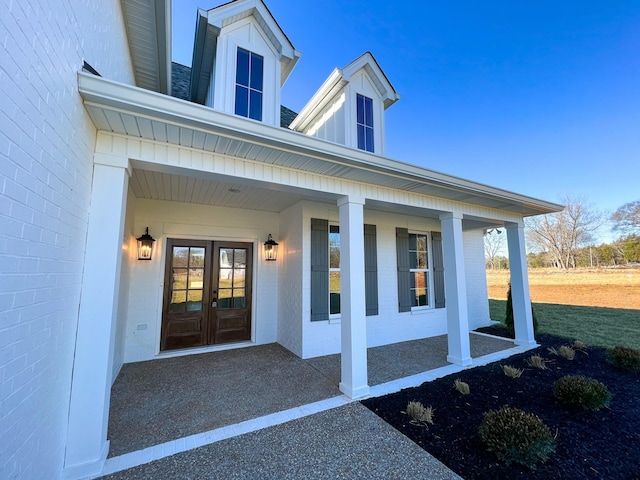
(128, 110)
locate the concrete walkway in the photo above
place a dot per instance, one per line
(302, 432)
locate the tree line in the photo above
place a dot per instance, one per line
(567, 239)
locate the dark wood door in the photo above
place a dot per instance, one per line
(231, 292)
(207, 293)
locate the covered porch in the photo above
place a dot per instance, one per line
(157, 402)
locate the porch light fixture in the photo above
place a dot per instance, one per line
(270, 249)
(145, 245)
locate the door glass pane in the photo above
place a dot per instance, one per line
(196, 257)
(178, 301)
(225, 298)
(179, 278)
(196, 278)
(238, 278)
(226, 257)
(180, 256)
(238, 298)
(194, 303)
(225, 278)
(239, 258)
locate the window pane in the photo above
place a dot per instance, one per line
(178, 301)
(334, 247)
(238, 298)
(196, 257)
(361, 138)
(242, 101)
(368, 139)
(368, 112)
(242, 67)
(196, 278)
(194, 301)
(180, 256)
(255, 105)
(256, 71)
(334, 303)
(420, 289)
(360, 109)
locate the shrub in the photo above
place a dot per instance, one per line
(508, 318)
(567, 352)
(462, 387)
(537, 361)
(564, 351)
(625, 358)
(583, 392)
(512, 372)
(420, 415)
(516, 436)
(579, 345)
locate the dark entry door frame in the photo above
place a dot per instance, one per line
(208, 293)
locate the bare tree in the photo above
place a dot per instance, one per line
(493, 246)
(562, 234)
(627, 218)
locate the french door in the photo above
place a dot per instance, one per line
(207, 293)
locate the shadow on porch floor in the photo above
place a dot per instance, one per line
(161, 400)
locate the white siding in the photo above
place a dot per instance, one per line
(46, 151)
(245, 34)
(183, 220)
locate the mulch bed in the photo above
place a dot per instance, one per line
(601, 444)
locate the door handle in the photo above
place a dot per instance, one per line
(214, 303)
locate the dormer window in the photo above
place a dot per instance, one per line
(249, 76)
(364, 107)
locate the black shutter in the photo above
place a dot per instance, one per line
(404, 275)
(438, 269)
(319, 269)
(371, 269)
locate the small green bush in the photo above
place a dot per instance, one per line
(462, 387)
(537, 361)
(516, 436)
(625, 358)
(512, 372)
(420, 415)
(583, 392)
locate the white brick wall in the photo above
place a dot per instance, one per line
(46, 148)
(476, 277)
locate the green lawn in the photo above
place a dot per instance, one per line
(604, 327)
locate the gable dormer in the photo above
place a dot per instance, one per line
(241, 60)
(349, 107)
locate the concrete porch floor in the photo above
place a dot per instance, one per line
(161, 400)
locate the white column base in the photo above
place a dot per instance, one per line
(463, 362)
(526, 343)
(87, 470)
(358, 392)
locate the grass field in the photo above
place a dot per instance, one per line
(600, 307)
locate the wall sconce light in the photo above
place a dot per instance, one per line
(145, 245)
(270, 249)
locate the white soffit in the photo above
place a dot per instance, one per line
(128, 110)
(148, 25)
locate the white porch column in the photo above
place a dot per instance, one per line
(352, 299)
(520, 296)
(87, 444)
(455, 289)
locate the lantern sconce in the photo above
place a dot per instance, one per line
(270, 249)
(145, 245)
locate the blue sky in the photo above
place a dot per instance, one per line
(540, 98)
